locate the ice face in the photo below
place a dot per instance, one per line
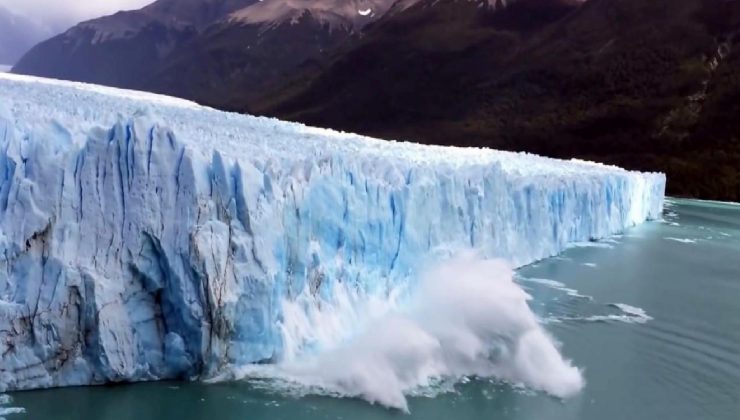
(145, 237)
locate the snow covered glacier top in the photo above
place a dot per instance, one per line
(145, 237)
(236, 136)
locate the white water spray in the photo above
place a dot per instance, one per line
(466, 317)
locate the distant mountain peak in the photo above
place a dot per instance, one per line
(198, 13)
(174, 14)
(343, 13)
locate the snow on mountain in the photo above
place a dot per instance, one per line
(341, 13)
(145, 237)
(347, 13)
(176, 15)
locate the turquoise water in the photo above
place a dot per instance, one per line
(673, 352)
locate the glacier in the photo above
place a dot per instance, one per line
(144, 237)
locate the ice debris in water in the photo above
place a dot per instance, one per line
(466, 317)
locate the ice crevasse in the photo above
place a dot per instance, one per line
(144, 237)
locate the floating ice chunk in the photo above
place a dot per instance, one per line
(638, 314)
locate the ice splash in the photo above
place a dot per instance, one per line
(466, 317)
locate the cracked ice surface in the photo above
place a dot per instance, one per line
(145, 237)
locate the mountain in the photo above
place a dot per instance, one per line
(17, 36)
(218, 52)
(255, 48)
(125, 48)
(431, 53)
(207, 50)
(649, 85)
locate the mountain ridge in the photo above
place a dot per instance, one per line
(120, 49)
(152, 47)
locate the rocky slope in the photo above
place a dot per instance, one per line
(209, 50)
(125, 49)
(609, 80)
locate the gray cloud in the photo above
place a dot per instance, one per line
(59, 13)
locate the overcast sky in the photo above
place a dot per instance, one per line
(68, 12)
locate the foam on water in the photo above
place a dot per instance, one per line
(592, 244)
(588, 264)
(628, 315)
(5, 409)
(466, 317)
(681, 240)
(554, 284)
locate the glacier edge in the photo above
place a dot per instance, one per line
(148, 238)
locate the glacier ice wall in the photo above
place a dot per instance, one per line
(145, 237)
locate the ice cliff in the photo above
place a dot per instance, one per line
(144, 237)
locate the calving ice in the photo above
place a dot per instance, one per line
(464, 317)
(145, 237)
